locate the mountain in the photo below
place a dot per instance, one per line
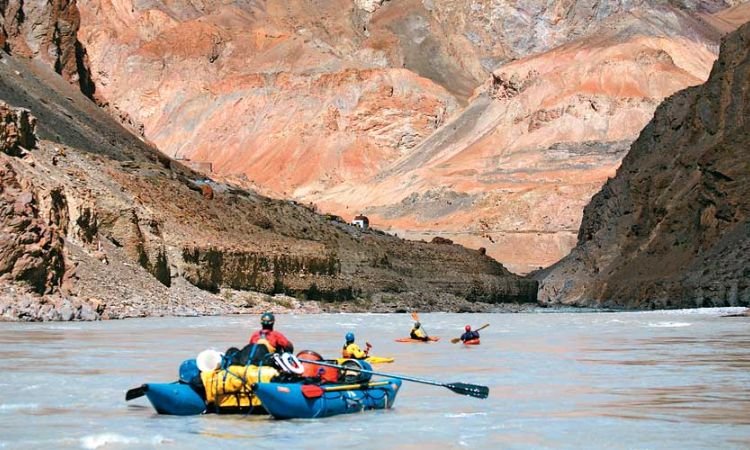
(489, 123)
(672, 228)
(97, 223)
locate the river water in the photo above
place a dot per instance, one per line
(676, 379)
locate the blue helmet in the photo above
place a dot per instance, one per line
(417, 324)
(350, 337)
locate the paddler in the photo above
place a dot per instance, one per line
(274, 341)
(352, 350)
(417, 332)
(468, 334)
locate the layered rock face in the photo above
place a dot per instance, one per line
(672, 228)
(47, 31)
(30, 250)
(105, 226)
(513, 171)
(491, 123)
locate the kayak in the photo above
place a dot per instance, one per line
(370, 359)
(472, 342)
(432, 339)
(310, 401)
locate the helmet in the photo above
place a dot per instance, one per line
(417, 324)
(349, 337)
(267, 319)
(467, 328)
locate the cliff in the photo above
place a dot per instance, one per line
(672, 228)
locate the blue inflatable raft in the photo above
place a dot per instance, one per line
(177, 399)
(310, 401)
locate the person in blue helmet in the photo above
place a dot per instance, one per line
(352, 350)
(274, 341)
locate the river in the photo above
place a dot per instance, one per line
(664, 379)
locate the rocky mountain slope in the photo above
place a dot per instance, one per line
(491, 123)
(95, 222)
(672, 228)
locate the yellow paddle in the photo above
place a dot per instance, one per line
(455, 340)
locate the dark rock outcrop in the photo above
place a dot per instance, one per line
(47, 31)
(17, 130)
(30, 248)
(672, 229)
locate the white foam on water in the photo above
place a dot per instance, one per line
(669, 324)
(100, 440)
(697, 311)
(17, 406)
(460, 415)
(63, 327)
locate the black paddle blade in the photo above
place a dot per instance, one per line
(140, 391)
(472, 390)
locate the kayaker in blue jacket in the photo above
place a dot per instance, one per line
(469, 335)
(352, 350)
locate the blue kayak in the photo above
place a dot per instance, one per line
(310, 401)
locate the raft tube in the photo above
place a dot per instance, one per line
(177, 399)
(305, 401)
(472, 342)
(408, 339)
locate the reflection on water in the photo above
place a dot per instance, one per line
(582, 380)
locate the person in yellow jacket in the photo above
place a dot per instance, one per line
(418, 333)
(352, 350)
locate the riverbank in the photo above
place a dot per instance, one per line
(184, 300)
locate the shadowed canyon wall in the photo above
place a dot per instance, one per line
(672, 228)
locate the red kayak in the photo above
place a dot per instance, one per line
(472, 342)
(431, 339)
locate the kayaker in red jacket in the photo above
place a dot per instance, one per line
(274, 341)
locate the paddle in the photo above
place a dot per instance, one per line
(471, 390)
(140, 391)
(455, 340)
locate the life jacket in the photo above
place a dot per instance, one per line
(469, 335)
(418, 333)
(274, 341)
(353, 351)
(263, 340)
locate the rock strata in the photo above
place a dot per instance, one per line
(112, 229)
(523, 108)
